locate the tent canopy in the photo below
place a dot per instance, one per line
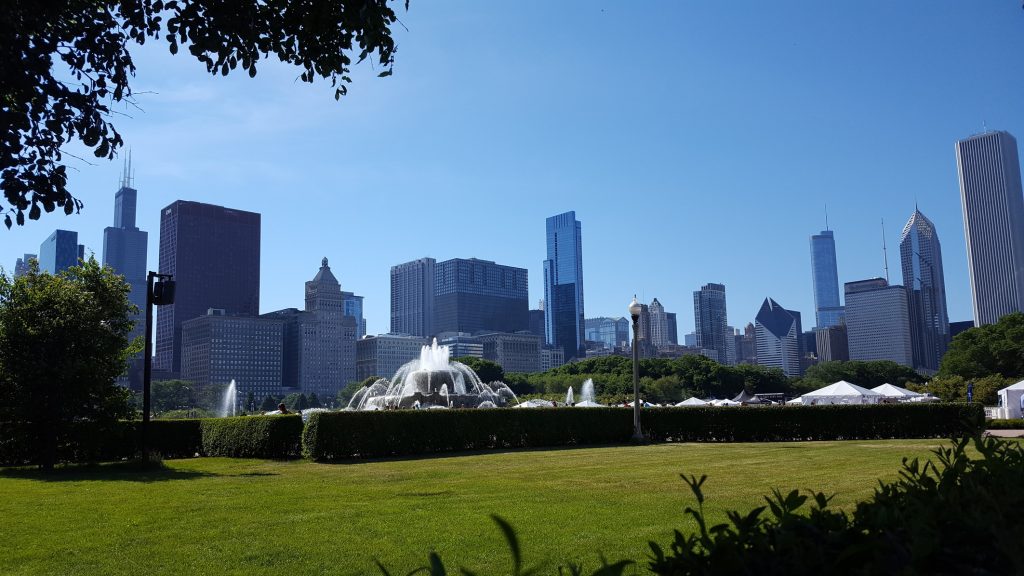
(693, 401)
(841, 392)
(890, 391)
(841, 388)
(745, 397)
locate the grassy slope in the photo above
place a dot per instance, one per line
(221, 516)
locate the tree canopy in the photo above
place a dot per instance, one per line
(63, 343)
(994, 349)
(487, 370)
(64, 65)
(867, 374)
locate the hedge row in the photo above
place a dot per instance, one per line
(1006, 424)
(339, 435)
(795, 423)
(251, 436)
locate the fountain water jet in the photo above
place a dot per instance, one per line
(587, 393)
(229, 402)
(569, 401)
(432, 380)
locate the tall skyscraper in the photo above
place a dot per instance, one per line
(22, 264)
(412, 298)
(877, 321)
(921, 257)
(564, 322)
(777, 333)
(673, 328)
(214, 254)
(659, 324)
(710, 320)
(125, 250)
(993, 207)
(471, 295)
(825, 277)
(354, 308)
(60, 251)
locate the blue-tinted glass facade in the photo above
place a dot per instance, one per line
(564, 321)
(59, 252)
(921, 259)
(354, 308)
(214, 255)
(825, 276)
(471, 295)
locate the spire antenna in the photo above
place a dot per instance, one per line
(130, 176)
(885, 254)
(826, 215)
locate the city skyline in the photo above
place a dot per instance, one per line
(659, 137)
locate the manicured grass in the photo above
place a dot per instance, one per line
(223, 516)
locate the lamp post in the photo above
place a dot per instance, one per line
(157, 294)
(634, 312)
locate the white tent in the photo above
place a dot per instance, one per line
(725, 402)
(588, 404)
(795, 401)
(895, 392)
(841, 392)
(535, 403)
(1011, 400)
(693, 401)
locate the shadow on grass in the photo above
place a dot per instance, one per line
(115, 471)
(355, 460)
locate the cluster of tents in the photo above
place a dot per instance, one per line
(841, 392)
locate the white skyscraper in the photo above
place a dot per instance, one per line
(993, 207)
(777, 333)
(659, 324)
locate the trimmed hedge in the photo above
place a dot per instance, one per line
(335, 435)
(795, 423)
(339, 435)
(252, 436)
(1005, 424)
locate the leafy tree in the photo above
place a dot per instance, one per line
(66, 64)
(63, 342)
(250, 402)
(954, 388)
(865, 374)
(269, 403)
(487, 370)
(314, 401)
(986, 350)
(169, 395)
(301, 403)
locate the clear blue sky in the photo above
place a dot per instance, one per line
(697, 142)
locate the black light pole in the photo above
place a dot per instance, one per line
(156, 294)
(634, 312)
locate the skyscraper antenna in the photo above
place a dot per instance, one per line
(885, 255)
(131, 176)
(826, 215)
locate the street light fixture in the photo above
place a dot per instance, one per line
(157, 294)
(634, 311)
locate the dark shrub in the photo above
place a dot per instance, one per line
(253, 436)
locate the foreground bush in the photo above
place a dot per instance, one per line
(337, 435)
(253, 436)
(956, 514)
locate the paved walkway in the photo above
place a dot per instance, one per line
(1005, 433)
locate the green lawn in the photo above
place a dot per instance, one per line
(222, 516)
